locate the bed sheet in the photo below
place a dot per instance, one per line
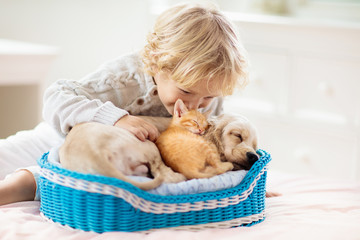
(309, 208)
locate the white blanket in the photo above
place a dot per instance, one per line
(216, 183)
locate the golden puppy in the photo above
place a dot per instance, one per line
(234, 136)
(114, 152)
(236, 139)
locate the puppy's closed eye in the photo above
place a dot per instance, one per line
(238, 135)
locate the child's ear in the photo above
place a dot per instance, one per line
(180, 108)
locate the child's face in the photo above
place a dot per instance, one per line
(195, 97)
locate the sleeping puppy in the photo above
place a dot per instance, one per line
(114, 152)
(235, 138)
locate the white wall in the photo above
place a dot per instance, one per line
(303, 94)
(86, 32)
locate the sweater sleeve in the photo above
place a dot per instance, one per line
(99, 97)
(64, 107)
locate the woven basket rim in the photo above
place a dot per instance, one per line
(250, 177)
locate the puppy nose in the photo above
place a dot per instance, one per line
(252, 158)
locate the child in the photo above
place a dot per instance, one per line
(193, 53)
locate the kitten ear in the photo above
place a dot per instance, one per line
(207, 113)
(179, 108)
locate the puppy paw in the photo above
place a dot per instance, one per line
(225, 167)
(141, 170)
(229, 166)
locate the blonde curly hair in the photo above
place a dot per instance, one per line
(193, 43)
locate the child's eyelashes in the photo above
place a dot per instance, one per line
(184, 91)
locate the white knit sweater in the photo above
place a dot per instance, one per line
(117, 88)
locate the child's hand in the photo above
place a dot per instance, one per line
(139, 127)
(273, 194)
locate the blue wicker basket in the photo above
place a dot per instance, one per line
(102, 204)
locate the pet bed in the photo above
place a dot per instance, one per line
(102, 204)
(219, 182)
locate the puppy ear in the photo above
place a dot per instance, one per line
(218, 133)
(179, 108)
(215, 133)
(255, 144)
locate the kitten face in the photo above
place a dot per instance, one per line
(183, 150)
(194, 122)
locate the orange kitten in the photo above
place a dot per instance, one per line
(185, 151)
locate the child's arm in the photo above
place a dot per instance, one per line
(69, 102)
(19, 186)
(104, 96)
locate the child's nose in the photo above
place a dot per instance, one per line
(194, 105)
